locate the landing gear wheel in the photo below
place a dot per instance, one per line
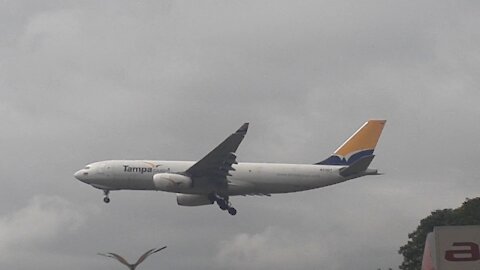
(232, 211)
(106, 199)
(222, 204)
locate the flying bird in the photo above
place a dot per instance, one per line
(139, 261)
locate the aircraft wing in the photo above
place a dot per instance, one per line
(219, 161)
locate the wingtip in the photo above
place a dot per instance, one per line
(380, 121)
(243, 128)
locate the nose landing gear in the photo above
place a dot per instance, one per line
(223, 203)
(232, 211)
(106, 199)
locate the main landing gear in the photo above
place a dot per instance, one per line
(106, 199)
(223, 203)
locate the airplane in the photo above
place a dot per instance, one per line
(218, 176)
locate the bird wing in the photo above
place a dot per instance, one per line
(120, 259)
(148, 253)
(158, 249)
(105, 255)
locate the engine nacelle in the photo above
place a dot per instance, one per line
(193, 200)
(172, 182)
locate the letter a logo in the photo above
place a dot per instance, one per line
(470, 252)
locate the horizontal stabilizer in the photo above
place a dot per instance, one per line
(357, 167)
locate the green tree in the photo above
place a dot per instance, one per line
(467, 214)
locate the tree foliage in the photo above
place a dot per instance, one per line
(467, 214)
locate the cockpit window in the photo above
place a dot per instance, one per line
(87, 167)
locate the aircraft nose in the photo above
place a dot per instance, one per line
(80, 175)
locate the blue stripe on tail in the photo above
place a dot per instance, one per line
(337, 160)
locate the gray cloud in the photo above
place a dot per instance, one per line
(272, 248)
(44, 220)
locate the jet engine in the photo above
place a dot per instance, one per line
(193, 200)
(172, 182)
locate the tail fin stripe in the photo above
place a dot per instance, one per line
(338, 160)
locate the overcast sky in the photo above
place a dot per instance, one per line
(83, 81)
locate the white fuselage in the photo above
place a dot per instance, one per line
(246, 179)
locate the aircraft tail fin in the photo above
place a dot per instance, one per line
(358, 148)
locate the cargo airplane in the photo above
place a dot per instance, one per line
(218, 176)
